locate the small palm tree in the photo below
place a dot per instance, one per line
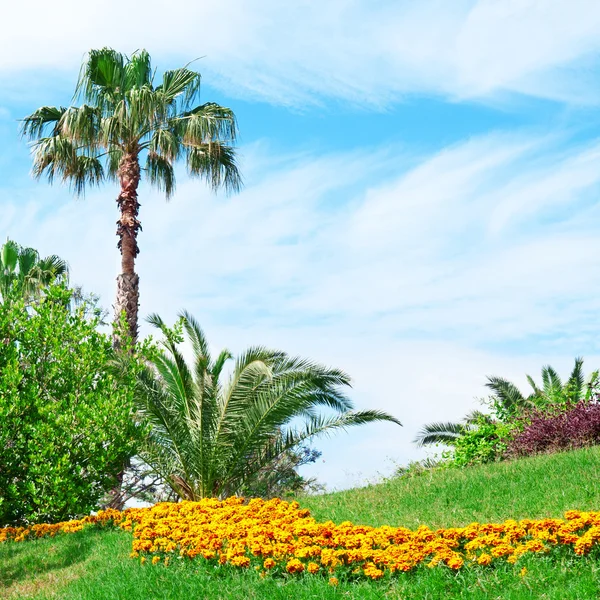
(508, 400)
(209, 437)
(24, 272)
(126, 119)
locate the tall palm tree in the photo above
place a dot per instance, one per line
(126, 119)
(24, 272)
(209, 437)
(508, 401)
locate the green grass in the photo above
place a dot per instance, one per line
(544, 486)
(95, 564)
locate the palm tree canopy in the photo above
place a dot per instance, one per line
(23, 271)
(209, 436)
(125, 113)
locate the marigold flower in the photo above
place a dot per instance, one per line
(484, 559)
(294, 566)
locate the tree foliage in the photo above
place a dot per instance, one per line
(483, 437)
(125, 112)
(66, 415)
(211, 435)
(24, 273)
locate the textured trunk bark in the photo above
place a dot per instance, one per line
(128, 292)
(127, 228)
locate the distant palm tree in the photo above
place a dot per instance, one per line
(24, 273)
(508, 398)
(209, 437)
(508, 402)
(124, 118)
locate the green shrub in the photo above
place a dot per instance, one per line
(66, 423)
(482, 442)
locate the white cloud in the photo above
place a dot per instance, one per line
(296, 54)
(405, 283)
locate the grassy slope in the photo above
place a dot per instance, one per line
(94, 565)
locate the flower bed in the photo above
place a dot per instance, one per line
(276, 536)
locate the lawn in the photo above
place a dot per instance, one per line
(95, 564)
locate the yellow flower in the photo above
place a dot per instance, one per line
(523, 572)
(484, 559)
(155, 559)
(334, 581)
(294, 566)
(312, 568)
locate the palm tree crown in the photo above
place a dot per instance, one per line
(208, 437)
(126, 118)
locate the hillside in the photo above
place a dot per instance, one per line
(95, 565)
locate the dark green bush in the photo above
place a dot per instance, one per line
(66, 423)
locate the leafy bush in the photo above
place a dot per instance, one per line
(66, 424)
(574, 426)
(482, 443)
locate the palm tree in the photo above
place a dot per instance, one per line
(209, 437)
(124, 119)
(24, 273)
(508, 402)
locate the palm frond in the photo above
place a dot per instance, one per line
(575, 385)
(215, 163)
(42, 122)
(28, 257)
(138, 70)
(551, 381)
(9, 256)
(207, 123)
(87, 171)
(180, 83)
(536, 390)
(54, 156)
(160, 173)
(102, 78)
(81, 125)
(506, 393)
(439, 433)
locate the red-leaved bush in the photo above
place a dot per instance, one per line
(576, 426)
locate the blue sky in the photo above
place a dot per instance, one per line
(420, 206)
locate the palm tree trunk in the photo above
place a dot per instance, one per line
(128, 292)
(127, 228)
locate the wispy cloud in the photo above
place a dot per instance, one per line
(406, 275)
(363, 52)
